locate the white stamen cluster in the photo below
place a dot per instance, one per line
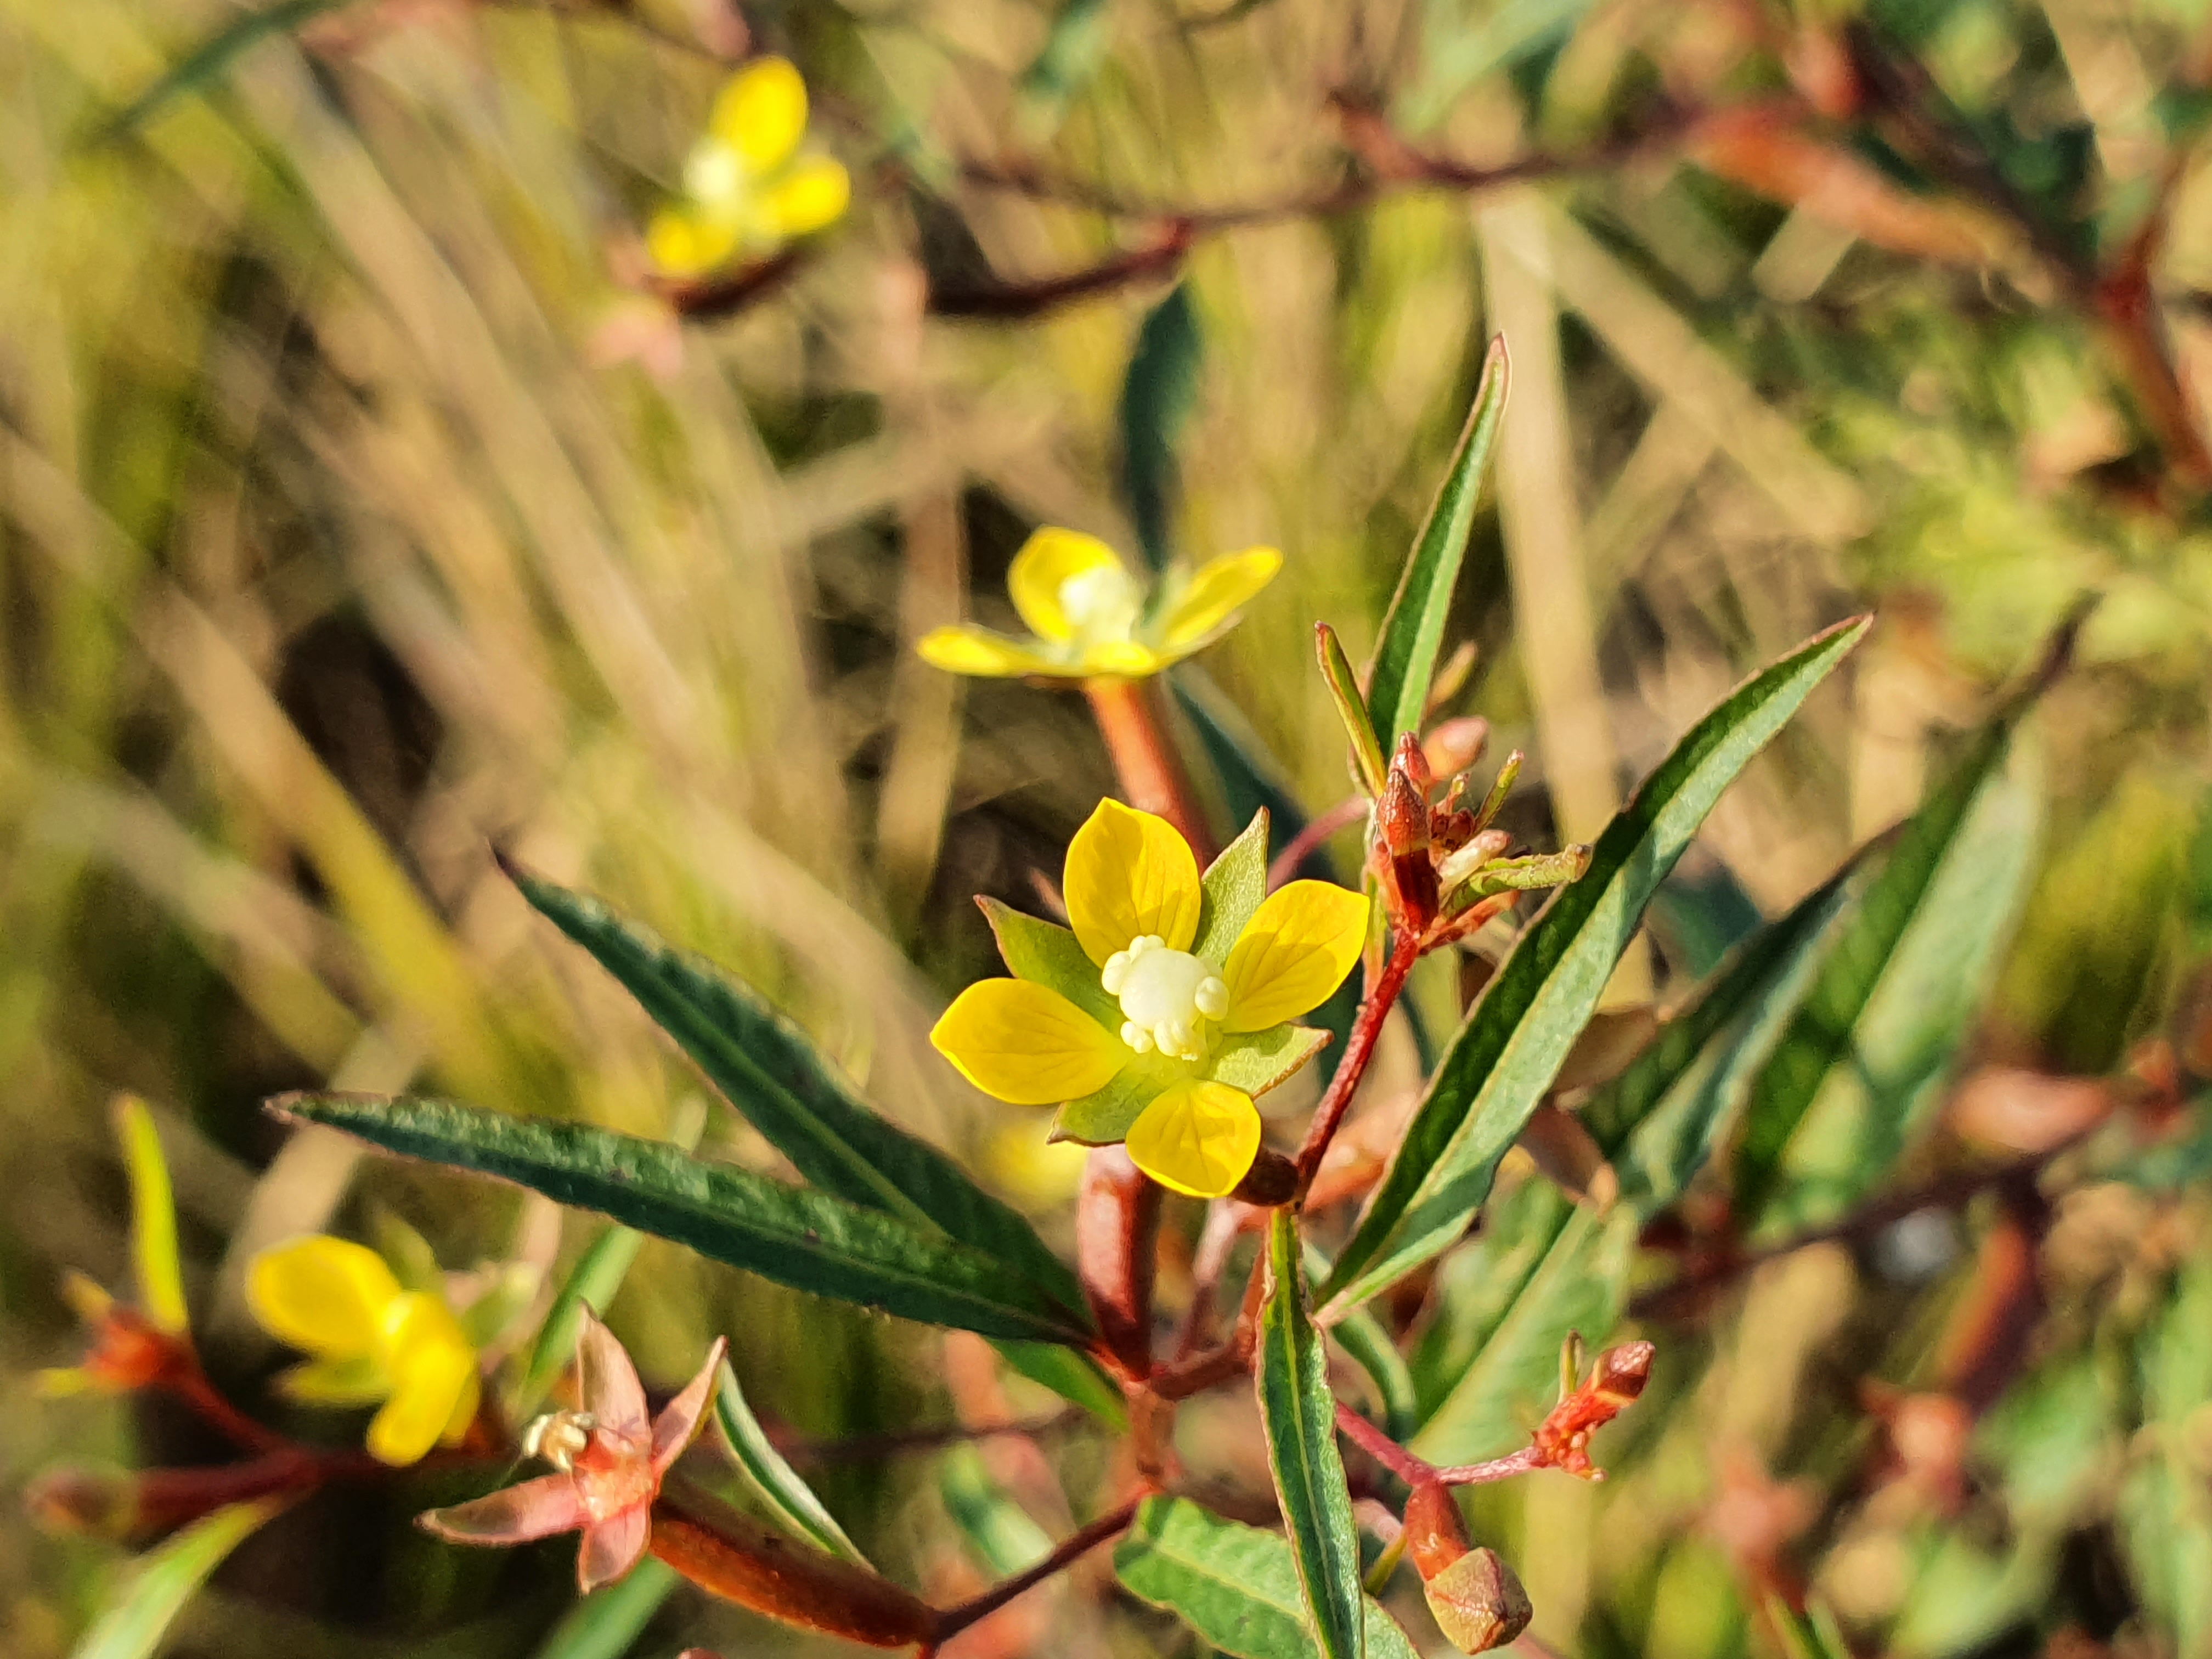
(559, 1438)
(1167, 997)
(1102, 604)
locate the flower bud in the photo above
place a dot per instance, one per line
(1272, 1180)
(1478, 1602)
(1454, 745)
(1622, 1372)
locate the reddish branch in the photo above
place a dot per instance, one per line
(1071, 1549)
(1358, 1050)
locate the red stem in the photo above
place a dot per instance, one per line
(1409, 1467)
(1152, 773)
(1303, 845)
(190, 1384)
(1366, 1030)
(1072, 1548)
(1526, 1460)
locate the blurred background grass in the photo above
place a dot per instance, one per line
(353, 516)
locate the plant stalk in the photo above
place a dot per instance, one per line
(1152, 774)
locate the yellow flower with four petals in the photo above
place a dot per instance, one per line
(1091, 618)
(374, 1343)
(747, 188)
(1166, 1010)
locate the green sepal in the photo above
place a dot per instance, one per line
(1045, 953)
(1256, 1061)
(1236, 886)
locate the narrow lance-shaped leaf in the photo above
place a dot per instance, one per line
(1505, 1057)
(1236, 1585)
(1298, 1413)
(207, 63)
(159, 1584)
(1000, 1534)
(766, 1067)
(792, 1499)
(1367, 763)
(810, 1241)
(607, 1623)
(1158, 395)
(153, 1218)
(1858, 1067)
(1413, 633)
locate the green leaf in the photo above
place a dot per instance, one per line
(1158, 395)
(1236, 886)
(810, 1241)
(1858, 1067)
(147, 1601)
(1505, 1057)
(1413, 633)
(208, 61)
(1368, 761)
(1362, 1338)
(1578, 1282)
(1073, 1374)
(766, 1067)
(1235, 1585)
(153, 1218)
(1298, 1413)
(1659, 1121)
(1000, 1532)
(604, 1625)
(2160, 1510)
(592, 1283)
(791, 1498)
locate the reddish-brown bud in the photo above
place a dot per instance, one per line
(1272, 1180)
(1622, 1372)
(1453, 745)
(1615, 1383)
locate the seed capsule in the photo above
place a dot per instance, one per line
(1478, 1602)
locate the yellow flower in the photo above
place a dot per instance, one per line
(1165, 1010)
(372, 1341)
(1088, 617)
(747, 188)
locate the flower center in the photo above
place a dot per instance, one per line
(1102, 604)
(715, 174)
(1166, 996)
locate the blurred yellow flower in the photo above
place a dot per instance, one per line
(1089, 616)
(747, 188)
(373, 1343)
(1165, 1010)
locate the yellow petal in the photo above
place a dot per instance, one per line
(808, 195)
(978, 650)
(1215, 591)
(1045, 564)
(1027, 1044)
(681, 242)
(1295, 950)
(325, 1295)
(1121, 659)
(433, 1380)
(1198, 1138)
(1129, 874)
(761, 113)
(357, 1380)
(153, 1218)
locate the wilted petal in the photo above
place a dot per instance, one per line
(985, 655)
(328, 1296)
(1295, 950)
(613, 1547)
(607, 1380)
(513, 1515)
(1215, 591)
(1026, 1045)
(677, 1426)
(1198, 1139)
(1129, 874)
